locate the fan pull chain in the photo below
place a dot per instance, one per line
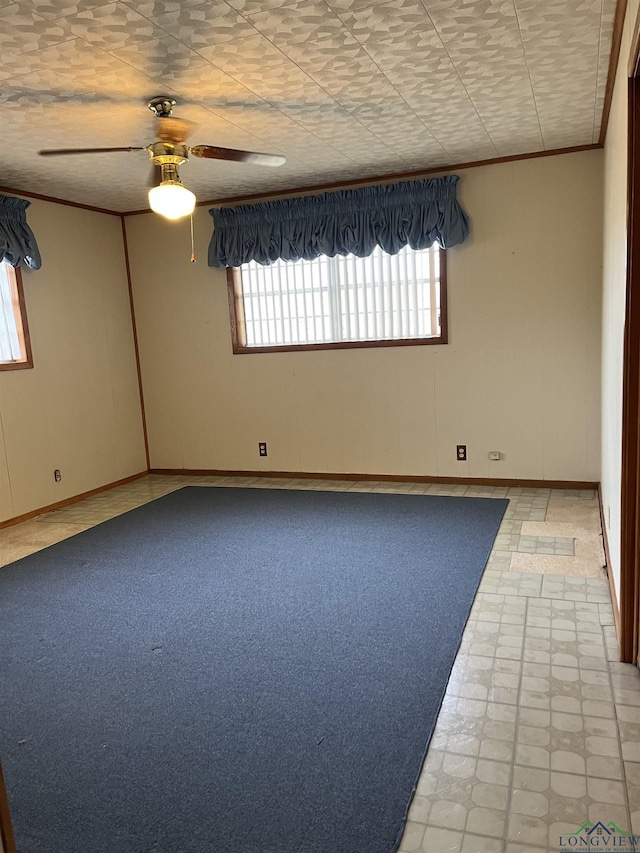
(193, 250)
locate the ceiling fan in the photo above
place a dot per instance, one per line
(168, 196)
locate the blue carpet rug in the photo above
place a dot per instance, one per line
(234, 670)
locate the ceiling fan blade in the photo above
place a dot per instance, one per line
(212, 152)
(176, 130)
(54, 152)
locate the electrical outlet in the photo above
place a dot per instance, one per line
(57, 476)
(461, 452)
(262, 448)
(495, 455)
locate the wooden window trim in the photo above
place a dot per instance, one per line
(22, 325)
(6, 830)
(239, 337)
(629, 630)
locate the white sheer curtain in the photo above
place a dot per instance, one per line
(9, 338)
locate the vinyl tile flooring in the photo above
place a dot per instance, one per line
(539, 731)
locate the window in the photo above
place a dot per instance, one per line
(15, 347)
(340, 302)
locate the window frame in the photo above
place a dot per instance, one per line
(22, 324)
(239, 338)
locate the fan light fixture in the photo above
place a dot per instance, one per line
(172, 200)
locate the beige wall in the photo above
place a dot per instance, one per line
(614, 287)
(521, 374)
(79, 408)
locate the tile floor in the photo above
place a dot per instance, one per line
(539, 730)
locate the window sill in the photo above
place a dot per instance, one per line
(16, 365)
(404, 342)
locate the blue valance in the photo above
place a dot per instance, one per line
(17, 242)
(340, 223)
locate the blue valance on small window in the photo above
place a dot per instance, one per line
(17, 242)
(345, 222)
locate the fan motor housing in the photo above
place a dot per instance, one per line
(168, 152)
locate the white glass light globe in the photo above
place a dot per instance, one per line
(171, 200)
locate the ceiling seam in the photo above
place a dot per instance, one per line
(231, 77)
(288, 59)
(526, 62)
(457, 73)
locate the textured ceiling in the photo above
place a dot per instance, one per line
(344, 88)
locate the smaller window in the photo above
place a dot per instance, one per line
(340, 302)
(15, 346)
